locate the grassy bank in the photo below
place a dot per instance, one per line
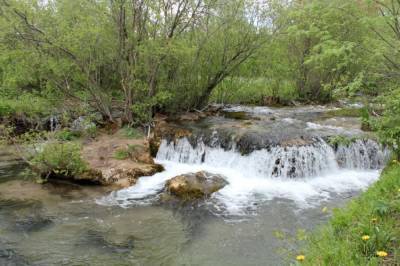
(366, 232)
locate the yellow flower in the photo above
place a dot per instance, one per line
(399, 190)
(300, 258)
(381, 253)
(324, 209)
(374, 220)
(365, 237)
(394, 161)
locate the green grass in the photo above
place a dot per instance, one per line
(376, 213)
(125, 153)
(121, 154)
(131, 133)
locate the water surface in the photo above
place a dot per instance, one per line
(252, 221)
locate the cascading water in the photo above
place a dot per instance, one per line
(310, 160)
(268, 154)
(305, 174)
(362, 154)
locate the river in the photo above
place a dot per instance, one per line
(282, 173)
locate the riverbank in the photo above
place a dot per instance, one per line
(366, 232)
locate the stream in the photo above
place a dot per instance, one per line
(281, 169)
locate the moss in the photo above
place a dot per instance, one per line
(376, 213)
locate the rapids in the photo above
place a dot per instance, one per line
(281, 168)
(295, 162)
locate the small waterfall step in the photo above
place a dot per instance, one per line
(314, 159)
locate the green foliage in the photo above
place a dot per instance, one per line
(76, 49)
(121, 154)
(340, 141)
(27, 105)
(388, 126)
(252, 91)
(90, 130)
(125, 153)
(58, 158)
(375, 214)
(142, 111)
(66, 135)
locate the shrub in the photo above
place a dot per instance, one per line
(59, 158)
(66, 135)
(28, 105)
(388, 126)
(338, 140)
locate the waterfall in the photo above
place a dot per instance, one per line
(310, 160)
(53, 123)
(362, 154)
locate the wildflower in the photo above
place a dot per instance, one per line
(324, 209)
(374, 220)
(394, 161)
(365, 237)
(381, 253)
(300, 258)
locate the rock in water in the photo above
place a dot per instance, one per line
(195, 185)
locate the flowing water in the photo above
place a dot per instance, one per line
(281, 170)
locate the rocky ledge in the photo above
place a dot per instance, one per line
(106, 169)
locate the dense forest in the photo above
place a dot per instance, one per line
(130, 59)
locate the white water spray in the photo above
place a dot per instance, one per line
(304, 174)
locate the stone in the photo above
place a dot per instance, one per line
(195, 185)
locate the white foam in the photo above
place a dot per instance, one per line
(244, 191)
(252, 178)
(250, 109)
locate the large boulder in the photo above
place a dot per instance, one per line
(195, 185)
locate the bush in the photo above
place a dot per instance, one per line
(28, 105)
(388, 126)
(66, 135)
(59, 158)
(338, 140)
